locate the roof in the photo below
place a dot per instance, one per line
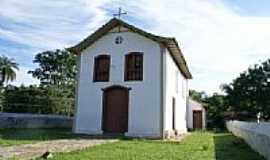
(194, 104)
(169, 42)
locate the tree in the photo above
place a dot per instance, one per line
(56, 68)
(56, 71)
(37, 99)
(7, 69)
(216, 105)
(197, 96)
(250, 91)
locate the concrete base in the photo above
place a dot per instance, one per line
(143, 135)
(81, 131)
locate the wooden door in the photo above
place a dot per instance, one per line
(115, 110)
(197, 119)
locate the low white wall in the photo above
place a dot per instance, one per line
(256, 135)
(26, 120)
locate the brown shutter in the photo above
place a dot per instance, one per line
(134, 66)
(102, 68)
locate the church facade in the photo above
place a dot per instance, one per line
(130, 82)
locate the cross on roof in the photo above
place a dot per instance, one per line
(119, 13)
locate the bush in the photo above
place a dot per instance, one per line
(42, 100)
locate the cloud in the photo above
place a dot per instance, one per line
(22, 77)
(32, 26)
(49, 24)
(217, 41)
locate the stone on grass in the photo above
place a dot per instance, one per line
(47, 155)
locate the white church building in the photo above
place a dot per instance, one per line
(130, 82)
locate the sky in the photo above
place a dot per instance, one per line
(219, 38)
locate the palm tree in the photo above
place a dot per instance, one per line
(7, 69)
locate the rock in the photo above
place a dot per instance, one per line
(47, 155)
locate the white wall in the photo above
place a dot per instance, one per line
(175, 89)
(144, 102)
(256, 135)
(195, 106)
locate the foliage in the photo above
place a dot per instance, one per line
(199, 145)
(56, 68)
(33, 99)
(56, 72)
(250, 91)
(7, 69)
(216, 106)
(197, 96)
(1, 98)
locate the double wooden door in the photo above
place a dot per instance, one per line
(115, 110)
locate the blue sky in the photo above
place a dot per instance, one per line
(219, 38)
(250, 7)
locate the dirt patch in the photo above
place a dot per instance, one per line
(29, 151)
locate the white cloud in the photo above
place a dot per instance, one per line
(22, 77)
(49, 24)
(217, 42)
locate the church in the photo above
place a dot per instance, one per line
(130, 82)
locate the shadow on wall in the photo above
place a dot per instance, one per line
(229, 147)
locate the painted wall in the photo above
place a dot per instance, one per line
(195, 106)
(144, 99)
(175, 86)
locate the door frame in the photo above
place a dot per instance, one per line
(104, 103)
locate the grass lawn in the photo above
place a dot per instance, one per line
(198, 146)
(10, 137)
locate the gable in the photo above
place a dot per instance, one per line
(112, 26)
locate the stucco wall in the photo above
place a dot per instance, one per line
(22, 120)
(195, 106)
(144, 99)
(175, 86)
(256, 135)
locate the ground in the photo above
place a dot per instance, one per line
(33, 143)
(198, 145)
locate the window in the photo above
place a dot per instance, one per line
(102, 68)
(184, 88)
(134, 66)
(177, 81)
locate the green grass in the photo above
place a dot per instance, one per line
(198, 146)
(10, 137)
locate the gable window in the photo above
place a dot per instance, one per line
(102, 68)
(134, 66)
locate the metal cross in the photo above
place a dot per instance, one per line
(119, 13)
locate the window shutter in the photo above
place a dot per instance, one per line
(134, 66)
(102, 68)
